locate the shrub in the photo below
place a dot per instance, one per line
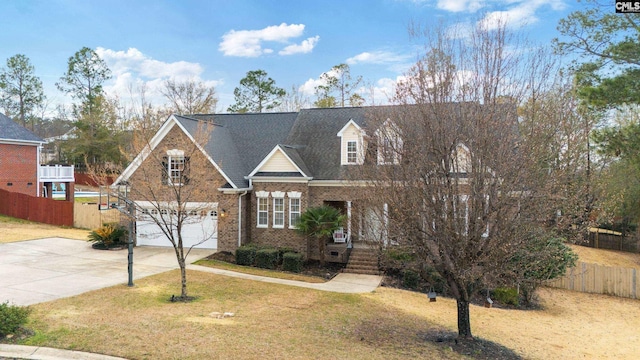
(108, 234)
(12, 318)
(410, 279)
(507, 295)
(282, 251)
(267, 258)
(292, 262)
(246, 255)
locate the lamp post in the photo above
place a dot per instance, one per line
(131, 209)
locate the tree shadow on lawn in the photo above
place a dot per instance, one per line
(477, 348)
(408, 336)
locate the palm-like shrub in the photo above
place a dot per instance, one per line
(320, 223)
(108, 235)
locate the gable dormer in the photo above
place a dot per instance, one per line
(461, 158)
(351, 144)
(282, 161)
(390, 145)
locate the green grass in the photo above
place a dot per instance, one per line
(12, 220)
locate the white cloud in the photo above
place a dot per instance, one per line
(248, 43)
(377, 57)
(134, 60)
(309, 87)
(519, 13)
(460, 5)
(303, 48)
(132, 69)
(382, 92)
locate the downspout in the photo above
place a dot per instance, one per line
(38, 171)
(240, 218)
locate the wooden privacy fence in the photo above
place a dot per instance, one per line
(39, 209)
(599, 279)
(87, 216)
(603, 239)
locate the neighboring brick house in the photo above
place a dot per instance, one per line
(266, 169)
(20, 169)
(19, 158)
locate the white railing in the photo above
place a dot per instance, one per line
(56, 173)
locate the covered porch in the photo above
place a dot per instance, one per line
(363, 230)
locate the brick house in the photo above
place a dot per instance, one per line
(265, 170)
(20, 169)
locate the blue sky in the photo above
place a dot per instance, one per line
(217, 42)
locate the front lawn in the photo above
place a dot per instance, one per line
(282, 322)
(257, 271)
(12, 229)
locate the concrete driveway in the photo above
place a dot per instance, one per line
(47, 269)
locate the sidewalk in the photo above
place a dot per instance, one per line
(341, 283)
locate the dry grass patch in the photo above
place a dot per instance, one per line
(257, 271)
(270, 321)
(607, 257)
(277, 321)
(12, 230)
(572, 325)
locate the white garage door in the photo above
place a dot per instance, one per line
(199, 229)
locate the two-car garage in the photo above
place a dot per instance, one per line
(199, 227)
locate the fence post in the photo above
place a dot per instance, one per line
(584, 270)
(633, 284)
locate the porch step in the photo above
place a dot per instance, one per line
(363, 261)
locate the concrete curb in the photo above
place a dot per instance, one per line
(43, 353)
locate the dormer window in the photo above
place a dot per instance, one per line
(390, 144)
(352, 152)
(351, 144)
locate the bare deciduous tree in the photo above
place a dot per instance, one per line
(452, 182)
(190, 97)
(169, 188)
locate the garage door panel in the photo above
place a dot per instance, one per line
(199, 230)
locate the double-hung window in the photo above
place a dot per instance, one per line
(175, 166)
(263, 209)
(278, 212)
(294, 212)
(352, 152)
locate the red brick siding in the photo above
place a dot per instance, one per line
(19, 166)
(203, 187)
(276, 236)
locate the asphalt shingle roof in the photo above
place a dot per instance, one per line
(239, 142)
(10, 130)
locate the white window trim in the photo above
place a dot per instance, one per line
(174, 155)
(395, 143)
(276, 212)
(291, 212)
(347, 152)
(262, 196)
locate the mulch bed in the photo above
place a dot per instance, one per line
(311, 267)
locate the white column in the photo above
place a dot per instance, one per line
(385, 220)
(349, 223)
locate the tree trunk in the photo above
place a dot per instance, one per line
(464, 324)
(321, 249)
(183, 274)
